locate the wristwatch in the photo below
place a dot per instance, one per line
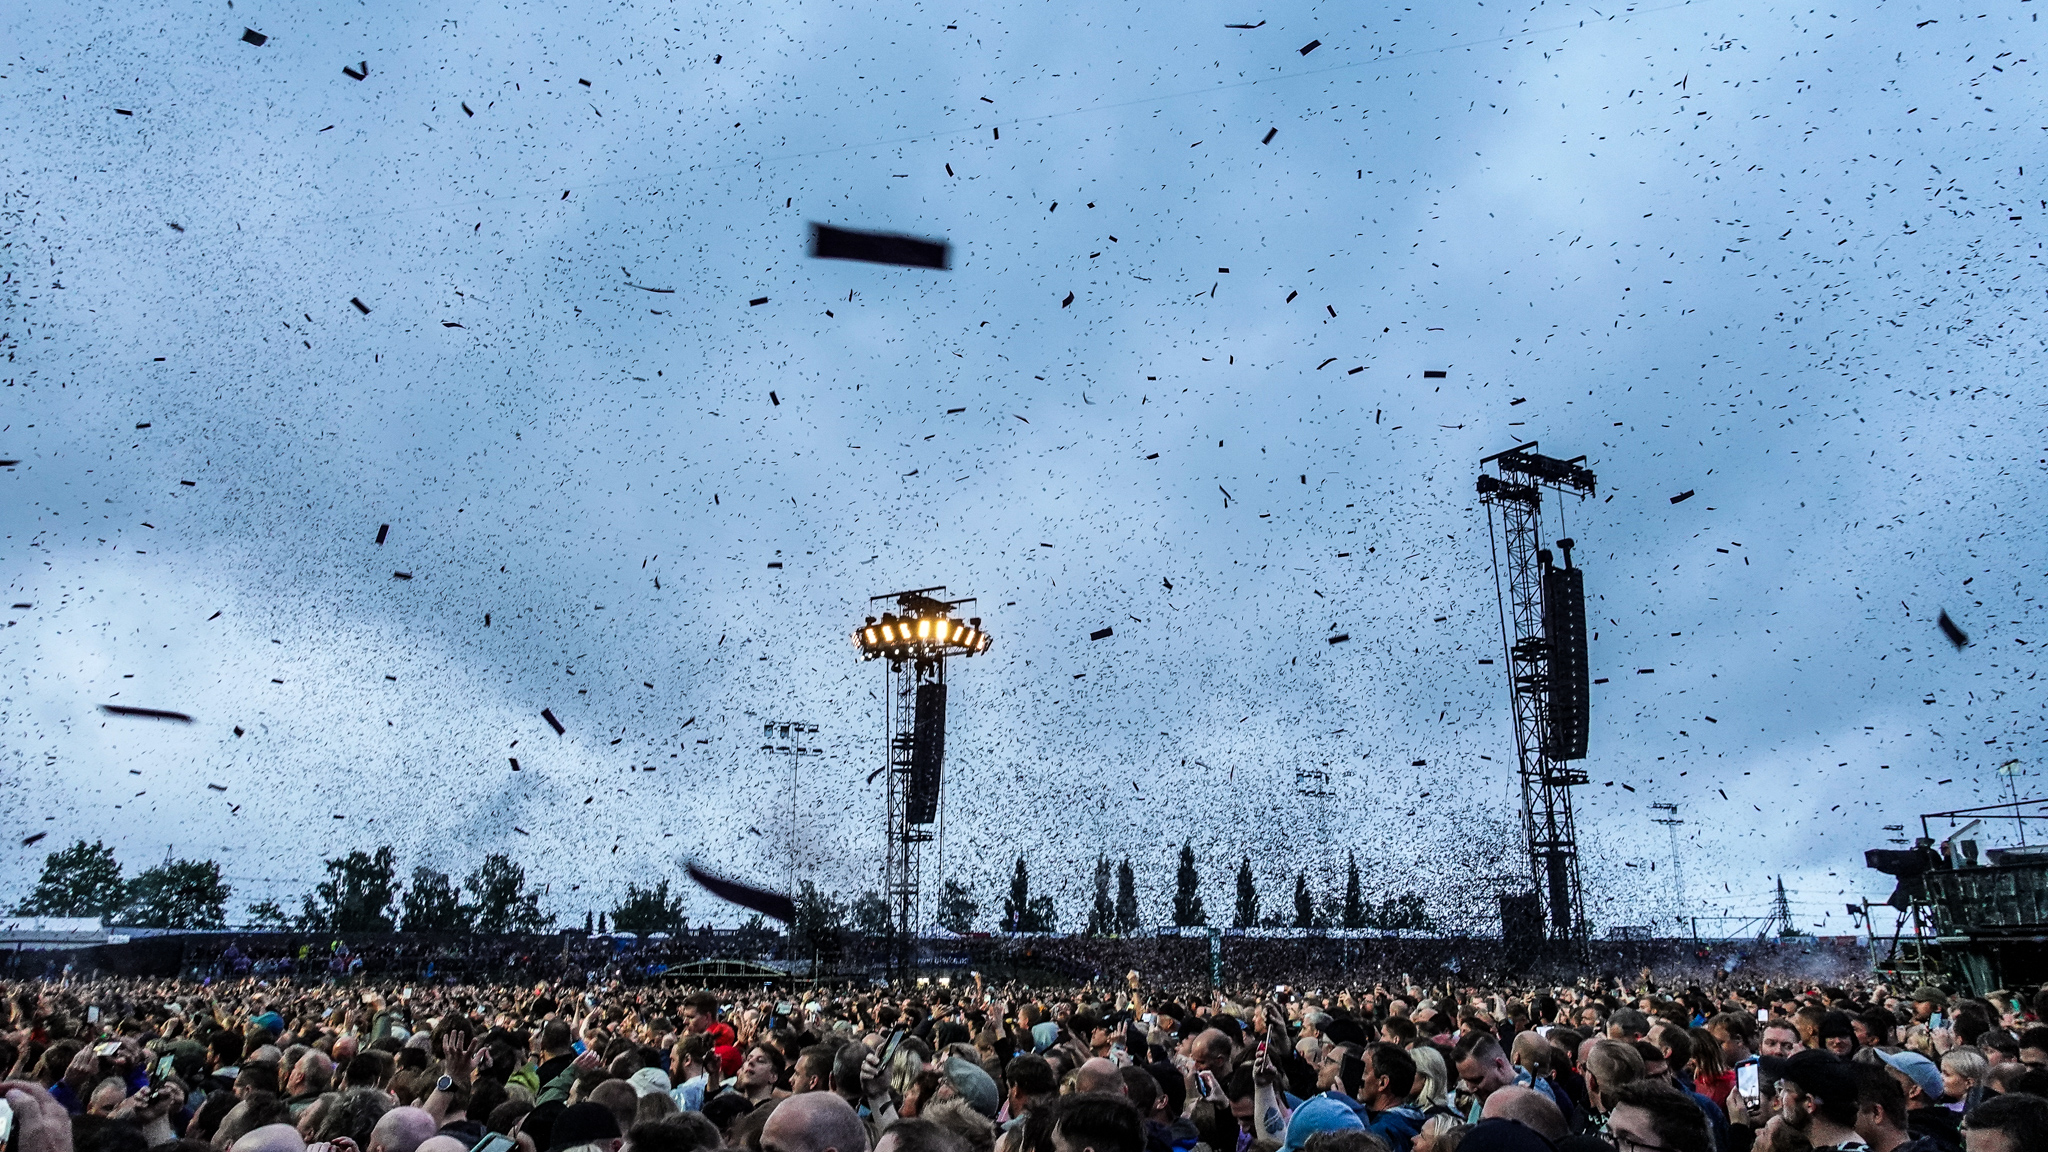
(444, 1083)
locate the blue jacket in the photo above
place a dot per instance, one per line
(1397, 1126)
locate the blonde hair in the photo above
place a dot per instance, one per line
(1432, 1077)
(1969, 1063)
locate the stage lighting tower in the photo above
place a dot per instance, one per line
(915, 638)
(1543, 629)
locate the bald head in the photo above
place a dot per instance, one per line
(402, 1130)
(1099, 1075)
(1530, 1108)
(270, 1138)
(814, 1122)
(1212, 1051)
(443, 1144)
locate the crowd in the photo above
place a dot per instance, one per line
(250, 1065)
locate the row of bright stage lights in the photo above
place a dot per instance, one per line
(911, 637)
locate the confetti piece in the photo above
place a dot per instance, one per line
(1270, 133)
(1682, 497)
(1955, 634)
(360, 306)
(1339, 638)
(1102, 633)
(1068, 300)
(382, 530)
(1311, 46)
(767, 903)
(252, 36)
(829, 243)
(548, 715)
(360, 72)
(30, 840)
(757, 301)
(1433, 374)
(147, 713)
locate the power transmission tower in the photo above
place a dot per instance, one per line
(1780, 916)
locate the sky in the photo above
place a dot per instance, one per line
(533, 291)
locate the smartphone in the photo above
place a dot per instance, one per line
(108, 1049)
(1934, 1021)
(494, 1142)
(6, 1124)
(92, 1014)
(1745, 1083)
(889, 1049)
(165, 1066)
(1763, 1015)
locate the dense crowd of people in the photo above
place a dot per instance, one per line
(253, 1065)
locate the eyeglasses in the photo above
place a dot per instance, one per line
(1630, 1144)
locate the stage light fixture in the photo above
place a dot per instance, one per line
(912, 637)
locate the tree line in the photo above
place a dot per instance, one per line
(362, 892)
(84, 881)
(821, 917)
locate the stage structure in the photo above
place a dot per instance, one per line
(1543, 629)
(915, 638)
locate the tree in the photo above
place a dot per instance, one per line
(589, 922)
(357, 895)
(1126, 899)
(1407, 912)
(1355, 913)
(1304, 906)
(178, 894)
(268, 914)
(1187, 902)
(820, 918)
(604, 927)
(434, 904)
(957, 907)
(1247, 897)
(1102, 916)
(82, 880)
(503, 901)
(646, 910)
(1023, 912)
(871, 916)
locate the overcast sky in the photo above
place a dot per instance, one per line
(1783, 257)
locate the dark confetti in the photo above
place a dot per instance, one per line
(148, 713)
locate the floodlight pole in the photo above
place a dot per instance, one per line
(1548, 823)
(790, 738)
(913, 722)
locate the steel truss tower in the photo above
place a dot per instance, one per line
(916, 638)
(1546, 662)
